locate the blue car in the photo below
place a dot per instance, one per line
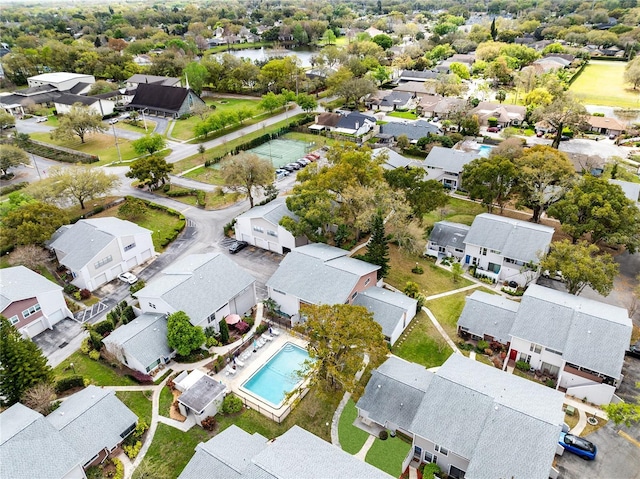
(578, 445)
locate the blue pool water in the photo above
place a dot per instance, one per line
(485, 150)
(278, 376)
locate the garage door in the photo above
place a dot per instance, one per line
(116, 270)
(261, 243)
(275, 247)
(100, 280)
(131, 262)
(146, 254)
(243, 302)
(35, 328)
(247, 238)
(55, 317)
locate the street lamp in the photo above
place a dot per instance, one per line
(33, 158)
(117, 145)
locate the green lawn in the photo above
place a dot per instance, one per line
(422, 343)
(602, 83)
(100, 144)
(407, 115)
(170, 452)
(434, 280)
(139, 402)
(447, 310)
(457, 210)
(139, 128)
(388, 455)
(351, 438)
(183, 129)
(213, 199)
(166, 399)
(98, 372)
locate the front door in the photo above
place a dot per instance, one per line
(513, 355)
(417, 452)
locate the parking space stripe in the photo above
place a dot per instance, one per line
(629, 438)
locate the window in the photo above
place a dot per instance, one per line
(151, 305)
(483, 251)
(495, 251)
(553, 351)
(130, 246)
(367, 281)
(514, 261)
(494, 268)
(353, 296)
(211, 318)
(14, 319)
(525, 357)
(441, 450)
(536, 348)
(272, 233)
(103, 261)
(428, 457)
(280, 292)
(128, 431)
(32, 310)
(258, 229)
(550, 369)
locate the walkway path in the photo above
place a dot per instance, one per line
(441, 330)
(362, 453)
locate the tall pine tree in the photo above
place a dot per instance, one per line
(494, 30)
(22, 364)
(378, 249)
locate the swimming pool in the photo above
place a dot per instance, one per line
(484, 150)
(277, 377)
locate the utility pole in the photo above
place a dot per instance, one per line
(33, 158)
(117, 145)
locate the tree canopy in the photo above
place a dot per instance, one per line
(247, 172)
(32, 222)
(423, 195)
(563, 112)
(149, 144)
(492, 180)
(81, 183)
(182, 335)
(23, 364)
(79, 121)
(10, 157)
(339, 338)
(150, 170)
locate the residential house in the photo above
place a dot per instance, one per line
(318, 274)
(95, 422)
(25, 436)
(506, 249)
(139, 78)
(355, 123)
(393, 160)
(201, 395)
(372, 31)
(505, 115)
(20, 100)
(207, 287)
(260, 226)
(326, 121)
(62, 81)
(583, 163)
(96, 105)
(417, 76)
(391, 101)
(412, 130)
(393, 311)
(234, 453)
(554, 62)
(455, 415)
(142, 60)
(445, 165)
(443, 108)
(447, 239)
(465, 59)
(631, 190)
(30, 301)
(419, 88)
(108, 247)
(560, 335)
(605, 125)
(165, 101)
(142, 343)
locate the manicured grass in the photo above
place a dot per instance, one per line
(588, 429)
(170, 451)
(422, 343)
(447, 310)
(434, 280)
(481, 358)
(98, 372)
(139, 402)
(602, 83)
(221, 150)
(213, 199)
(457, 210)
(206, 174)
(183, 129)
(408, 115)
(100, 144)
(139, 128)
(571, 421)
(351, 438)
(388, 455)
(166, 399)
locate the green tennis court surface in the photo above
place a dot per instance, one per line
(281, 152)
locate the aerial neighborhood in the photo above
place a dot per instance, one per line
(286, 240)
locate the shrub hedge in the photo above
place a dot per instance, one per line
(70, 382)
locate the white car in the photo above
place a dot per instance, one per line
(41, 119)
(113, 121)
(128, 277)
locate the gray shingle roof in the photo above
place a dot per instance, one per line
(394, 160)
(96, 234)
(198, 396)
(30, 447)
(407, 75)
(199, 284)
(413, 131)
(446, 233)
(20, 283)
(71, 99)
(91, 420)
(449, 159)
(144, 338)
(354, 120)
(396, 98)
(394, 392)
(225, 456)
(520, 240)
(155, 79)
(490, 314)
(273, 211)
(387, 307)
(319, 274)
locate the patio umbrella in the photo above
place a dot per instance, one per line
(232, 319)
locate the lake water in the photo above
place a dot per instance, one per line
(264, 54)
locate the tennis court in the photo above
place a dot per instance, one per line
(281, 152)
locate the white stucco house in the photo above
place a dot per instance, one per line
(142, 343)
(207, 287)
(578, 342)
(201, 396)
(393, 311)
(260, 226)
(97, 250)
(30, 301)
(447, 239)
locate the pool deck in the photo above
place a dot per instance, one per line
(233, 382)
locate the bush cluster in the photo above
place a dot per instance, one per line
(5, 190)
(176, 231)
(231, 404)
(133, 450)
(70, 382)
(54, 153)
(262, 327)
(140, 377)
(523, 365)
(209, 423)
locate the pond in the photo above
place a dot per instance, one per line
(264, 54)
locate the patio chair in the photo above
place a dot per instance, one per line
(261, 342)
(275, 332)
(239, 363)
(230, 371)
(268, 337)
